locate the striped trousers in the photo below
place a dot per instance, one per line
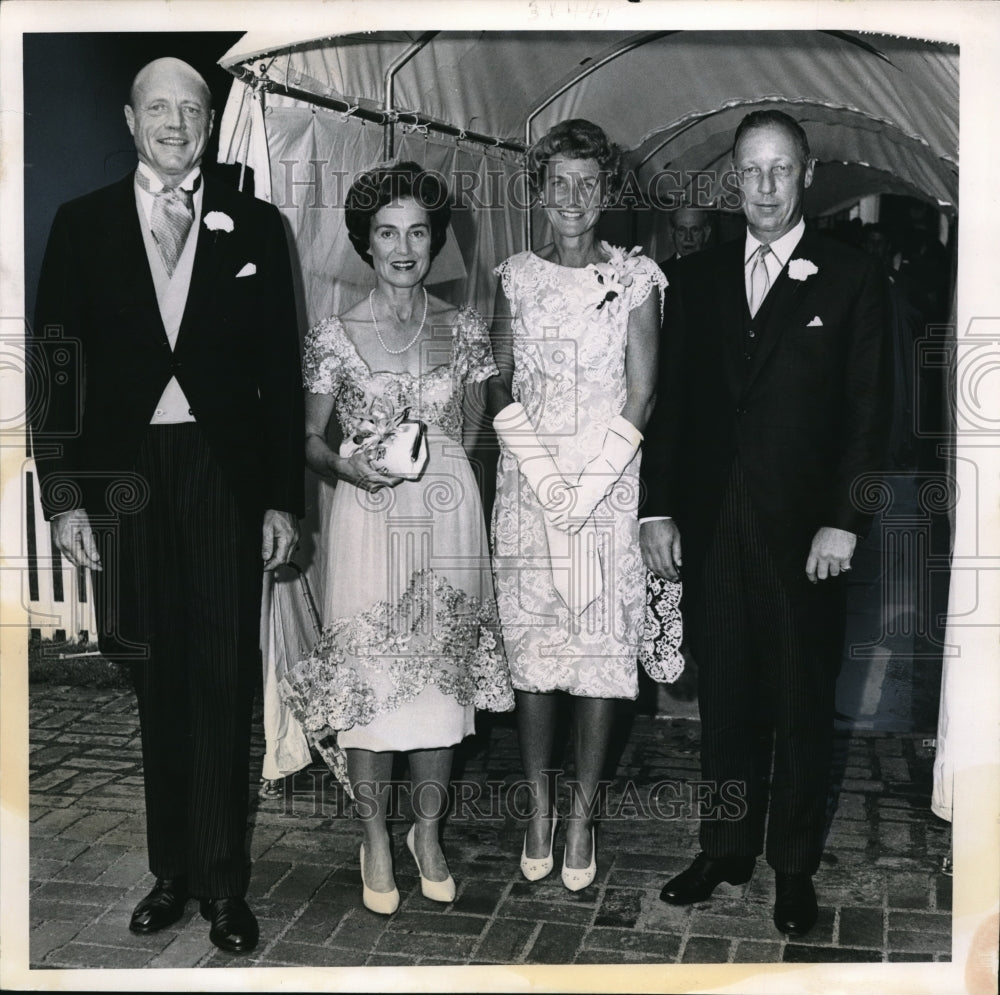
(768, 653)
(179, 602)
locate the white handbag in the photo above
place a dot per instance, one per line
(397, 448)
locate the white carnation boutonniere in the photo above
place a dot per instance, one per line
(801, 269)
(613, 278)
(218, 221)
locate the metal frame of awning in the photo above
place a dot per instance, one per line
(380, 116)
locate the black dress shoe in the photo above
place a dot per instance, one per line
(794, 903)
(234, 928)
(699, 880)
(162, 907)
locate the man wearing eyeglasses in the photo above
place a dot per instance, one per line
(774, 403)
(690, 230)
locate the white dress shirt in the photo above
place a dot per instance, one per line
(781, 251)
(171, 290)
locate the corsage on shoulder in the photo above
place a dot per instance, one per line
(612, 279)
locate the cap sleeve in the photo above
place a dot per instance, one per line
(474, 352)
(325, 356)
(507, 271)
(646, 275)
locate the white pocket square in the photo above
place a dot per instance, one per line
(817, 322)
(247, 270)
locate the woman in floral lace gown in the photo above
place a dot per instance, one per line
(409, 648)
(575, 337)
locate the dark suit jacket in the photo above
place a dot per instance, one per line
(806, 415)
(669, 267)
(102, 358)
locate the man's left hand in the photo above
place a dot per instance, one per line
(281, 535)
(830, 553)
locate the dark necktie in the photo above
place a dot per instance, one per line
(170, 220)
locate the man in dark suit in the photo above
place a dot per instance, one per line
(168, 441)
(774, 395)
(690, 230)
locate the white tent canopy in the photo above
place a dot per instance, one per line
(888, 102)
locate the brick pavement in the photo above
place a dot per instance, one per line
(881, 892)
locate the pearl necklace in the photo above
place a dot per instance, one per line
(378, 333)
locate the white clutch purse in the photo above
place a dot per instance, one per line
(397, 448)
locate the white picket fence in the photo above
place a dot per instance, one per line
(58, 597)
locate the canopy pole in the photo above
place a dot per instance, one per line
(388, 94)
(623, 49)
(377, 116)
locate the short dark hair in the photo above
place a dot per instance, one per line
(372, 190)
(576, 138)
(774, 119)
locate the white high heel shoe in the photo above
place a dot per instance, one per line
(578, 879)
(536, 868)
(436, 891)
(382, 902)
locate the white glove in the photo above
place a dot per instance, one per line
(574, 560)
(515, 430)
(596, 479)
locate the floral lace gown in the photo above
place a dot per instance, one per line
(409, 646)
(569, 373)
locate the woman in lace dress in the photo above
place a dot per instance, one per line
(575, 337)
(409, 648)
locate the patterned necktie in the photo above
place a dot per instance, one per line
(760, 281)
(170, 220)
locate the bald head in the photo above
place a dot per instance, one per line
(171, 68)
(170, 117)
(690, 228)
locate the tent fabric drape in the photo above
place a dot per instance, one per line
(245, 141)
(287, 635)
(314, 158)
(947, 752)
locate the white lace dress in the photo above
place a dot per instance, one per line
(409, 647)
(569, 336)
